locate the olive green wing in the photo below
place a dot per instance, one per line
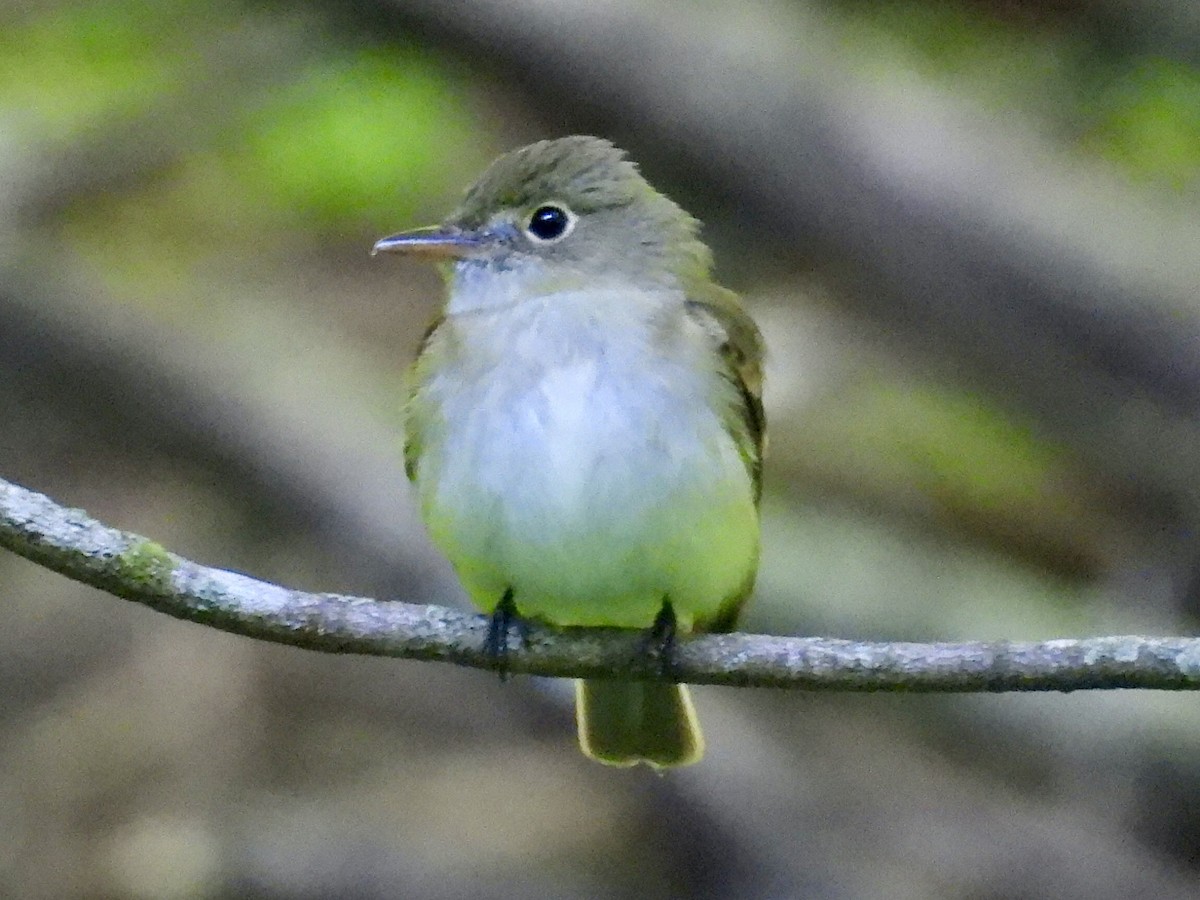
(740, 346)
(412, 422)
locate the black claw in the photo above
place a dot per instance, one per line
(659, 644)
(495, 645)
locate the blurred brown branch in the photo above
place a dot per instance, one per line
(129, 566)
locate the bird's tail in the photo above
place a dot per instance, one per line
(623, 723)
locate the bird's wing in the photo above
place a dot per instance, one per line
(740, 346)
(412, 431)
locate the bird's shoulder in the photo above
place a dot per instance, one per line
(736, 338)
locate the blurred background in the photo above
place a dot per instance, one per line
(969, 231)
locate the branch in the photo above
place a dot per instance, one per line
(127, 565)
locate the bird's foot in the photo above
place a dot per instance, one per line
(658, 646)
(504, 617)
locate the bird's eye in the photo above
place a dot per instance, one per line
(550, 223)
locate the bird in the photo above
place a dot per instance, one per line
(584, 425)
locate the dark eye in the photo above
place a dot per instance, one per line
(550, 223)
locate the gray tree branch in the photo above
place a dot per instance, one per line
(73, 544)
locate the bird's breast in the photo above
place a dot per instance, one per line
(581, 467)
(564, 441)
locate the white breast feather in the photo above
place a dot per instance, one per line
(586, 467)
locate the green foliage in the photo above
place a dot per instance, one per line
(269, 131)
(965, 45)
(77, 65)
(940, 452)
(344, 136)
(369, 137)
(1148, 121)
(1140, 112)
(958, 448)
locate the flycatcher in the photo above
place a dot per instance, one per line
(584, 423)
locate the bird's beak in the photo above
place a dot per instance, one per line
(430, 243)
